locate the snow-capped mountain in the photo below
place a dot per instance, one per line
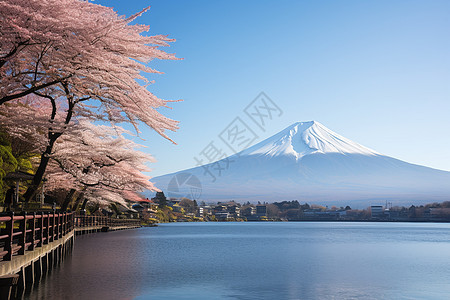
(305, 138)
(308, 162)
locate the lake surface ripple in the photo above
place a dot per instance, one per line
(286, 260)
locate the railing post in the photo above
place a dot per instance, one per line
(56, 226)
(41, 229)
(56, 232)
(9, 239)
(59, 225)
(23, 236)
(52, 228)
(47, 229)
(64, 223)
(33, 231)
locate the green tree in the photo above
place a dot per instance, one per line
(273, 211)
(189, 205)
(13, 157)
(161, 199)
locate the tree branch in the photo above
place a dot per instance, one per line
(30, 90)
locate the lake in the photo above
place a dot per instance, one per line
(281, 260)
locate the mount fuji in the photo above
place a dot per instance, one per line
(310, 163)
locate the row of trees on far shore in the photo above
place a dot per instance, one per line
(69, 73)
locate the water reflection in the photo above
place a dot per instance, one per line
(257, 261)
(102, 266)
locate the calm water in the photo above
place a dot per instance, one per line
(257, 261)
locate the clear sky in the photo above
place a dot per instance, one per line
(376, 72)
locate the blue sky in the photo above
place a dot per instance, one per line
(376, 72)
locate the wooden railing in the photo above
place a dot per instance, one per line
(25, 232)
(101, 221)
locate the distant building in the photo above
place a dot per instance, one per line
(438, 213)
(219, 209)
(146, 208)
(224, 215)
(247, 211)
(324, 215)
(200, 211)
(234, 210)
(177, 208)
(206, 210)
(261, 210)
(173, 201)
(376, 212)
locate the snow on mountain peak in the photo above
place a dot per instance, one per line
(304, 138)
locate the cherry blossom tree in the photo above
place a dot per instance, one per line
(85, 54)
(88, 48)
(96, 160)
(99, 161)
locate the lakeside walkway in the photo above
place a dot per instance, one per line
(31, 244)
(90, 224)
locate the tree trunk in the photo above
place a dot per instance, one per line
(52, 137)
(83, 207)
(67, 200)
(78, 200)
(31, 191)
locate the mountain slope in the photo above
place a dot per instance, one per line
(309, 162)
